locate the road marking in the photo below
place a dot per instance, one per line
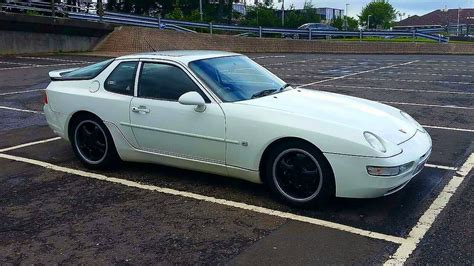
(441, 167)
(394, 89)
(38, 66)
(20, 110)
(415, 81)
(268, 56)
(428, 218)
(53, 59)
(29, 144)
(437, 68)
(357, 73)
(16, 63)
(19, 92)
(199, 197)
(292, 62)
(430, 105)
(425, 74)
(450, 128)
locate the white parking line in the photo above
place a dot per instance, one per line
(38, 66)
(437, 69)
(441, 167)
(20, 110)
(358, 73)
(415, 81)
(450, 128)
(29, 144)
(268, 56)
(426, 74)
(393, 89)
(53, 59)
(428, 218)
(19, 92)
(15, 63)
(430, 105)
(195, 196)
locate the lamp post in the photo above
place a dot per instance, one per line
(368, 22)
(283, 13)
(200, 9)
(457, 30)
(346, 24)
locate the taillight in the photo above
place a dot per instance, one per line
(45, 99)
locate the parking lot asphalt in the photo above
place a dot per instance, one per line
(51, 213)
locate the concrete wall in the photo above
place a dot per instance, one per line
(20, 42)
(20, 34)
(125, 40)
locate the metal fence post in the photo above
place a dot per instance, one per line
(210, 27)
(310, 33)
(360, 35)
(53, 11)
(159, 22)
(414, 36)
(260, 32)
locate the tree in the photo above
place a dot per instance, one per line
(382, 14)
(261, 15)
(308, 14)
(352, 23)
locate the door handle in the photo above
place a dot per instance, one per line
(140, 109)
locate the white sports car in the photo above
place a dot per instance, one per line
(222, 113)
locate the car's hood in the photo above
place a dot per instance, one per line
(383, 120)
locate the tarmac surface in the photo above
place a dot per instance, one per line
(52, 213)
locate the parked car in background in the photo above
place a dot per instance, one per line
(315, 28)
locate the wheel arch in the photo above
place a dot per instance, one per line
(275, 144)
(74, 118)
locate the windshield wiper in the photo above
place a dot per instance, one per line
(282, 88)
(263, 93)
(270, 91)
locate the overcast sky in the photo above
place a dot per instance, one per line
(411, 7)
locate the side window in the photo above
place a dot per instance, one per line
(122, 78)
(165, 82)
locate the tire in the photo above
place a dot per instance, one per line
(299, 174)
(92, 143)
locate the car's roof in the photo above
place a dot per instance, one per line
(183, 56)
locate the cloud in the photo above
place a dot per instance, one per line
(409, 7)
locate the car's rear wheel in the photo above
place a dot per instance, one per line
(299, 174)
(92, 143)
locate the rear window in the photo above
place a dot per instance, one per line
(88, 72)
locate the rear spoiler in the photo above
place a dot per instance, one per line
(58, 74)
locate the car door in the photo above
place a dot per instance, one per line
(113, 103)
(162, 125)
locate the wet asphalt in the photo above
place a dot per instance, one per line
(52, 217)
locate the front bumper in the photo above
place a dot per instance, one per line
(353, 181)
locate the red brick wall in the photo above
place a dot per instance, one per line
(126, 40)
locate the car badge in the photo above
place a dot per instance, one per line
(402, 130)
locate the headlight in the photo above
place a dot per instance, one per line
(375, 142)
(413, 121)
(389, 171)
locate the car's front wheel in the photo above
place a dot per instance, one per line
(92, 143)
(299, 174)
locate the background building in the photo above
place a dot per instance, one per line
(328, 14)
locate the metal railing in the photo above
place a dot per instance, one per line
(186, 26)
(128, 19)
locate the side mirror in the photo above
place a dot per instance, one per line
(193, 98)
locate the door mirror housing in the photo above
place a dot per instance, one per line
(193, 98)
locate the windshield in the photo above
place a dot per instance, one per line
(236, 78)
